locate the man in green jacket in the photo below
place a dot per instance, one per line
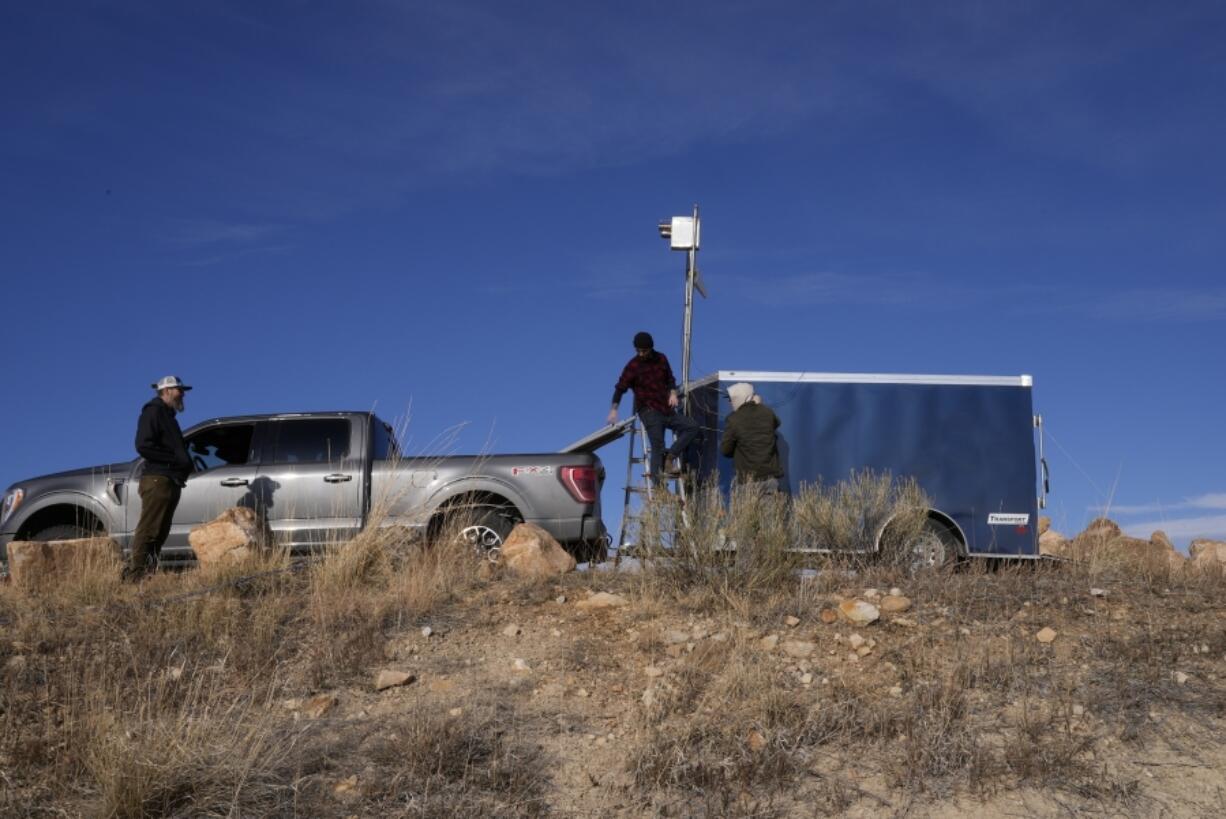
(749, 439)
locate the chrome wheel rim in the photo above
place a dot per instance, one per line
(482, 539)
(928, 552)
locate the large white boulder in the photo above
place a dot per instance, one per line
(232, 537)
(35, 563)
(530, 551)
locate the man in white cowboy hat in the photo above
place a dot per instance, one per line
(167, 465)
(749, 439)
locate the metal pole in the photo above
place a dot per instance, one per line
(687, 327)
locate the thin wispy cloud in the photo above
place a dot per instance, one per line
(1163, 304)
(192, 233)
(1212, 500)
(1206, 526)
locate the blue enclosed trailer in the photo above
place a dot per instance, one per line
(969, 441)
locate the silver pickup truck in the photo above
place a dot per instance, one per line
(319, 478)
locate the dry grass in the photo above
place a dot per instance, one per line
(167, 700)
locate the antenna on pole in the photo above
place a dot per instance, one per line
(684, 233)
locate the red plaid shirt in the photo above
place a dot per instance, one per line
(652, 380)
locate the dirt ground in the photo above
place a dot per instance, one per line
(680, 701)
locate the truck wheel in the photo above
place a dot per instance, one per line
(935, 548)
(485, 529)
(64, 531)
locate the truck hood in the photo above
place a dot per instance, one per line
(122, 468)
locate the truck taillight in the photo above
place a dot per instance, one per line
(582, 482)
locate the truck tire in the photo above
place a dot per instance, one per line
(64, 531)
(484, 528)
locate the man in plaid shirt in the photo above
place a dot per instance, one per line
(655, 401)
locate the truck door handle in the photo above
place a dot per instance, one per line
(234, 482)
(337, 477)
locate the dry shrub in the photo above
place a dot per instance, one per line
(436, 765)
(851, 516)
(209, 753)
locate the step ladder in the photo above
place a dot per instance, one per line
(640, 488)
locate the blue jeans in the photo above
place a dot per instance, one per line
(684, 428)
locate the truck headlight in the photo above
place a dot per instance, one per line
(11, 501)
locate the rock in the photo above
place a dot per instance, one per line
(806, 678)
(895, 604)
(426, 631)
(1204, 552)
(37, 564)
(1103, 528)
(455, 712)
(602, 600)
(858, 611)
(1160, 540)
(674, 636)
(1079, 710)
(653, 671)
(864, 651)
(799, 648)
(769, 641)
(521, 664)
(755, 741)
(1044, 524)
(855, 640)
(896, 691)
(872, 594)
(792, 621)
(1053, 543)
(1180, 677)
(346, 787)
(1098, 592)
(896, 592)
(530, 551)
(232, 537)
(319, 705)
(389, 678)
(511, 631)
(828, 615)
(1046, 635)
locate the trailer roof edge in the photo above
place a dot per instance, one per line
(866, 378)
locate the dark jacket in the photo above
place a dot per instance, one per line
(160, 442)
(749, 439)
(652, 380)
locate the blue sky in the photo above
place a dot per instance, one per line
(452, 207)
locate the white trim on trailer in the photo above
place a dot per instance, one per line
(866, 378)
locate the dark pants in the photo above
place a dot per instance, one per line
(684, 428)
(159, 495)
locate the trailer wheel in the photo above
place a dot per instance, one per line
(935, 548)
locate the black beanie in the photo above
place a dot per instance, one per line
(643, 341)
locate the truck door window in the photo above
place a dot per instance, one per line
(385, 447)
(228, 445)
(311, 440)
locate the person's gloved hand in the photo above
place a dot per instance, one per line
(612, 419)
